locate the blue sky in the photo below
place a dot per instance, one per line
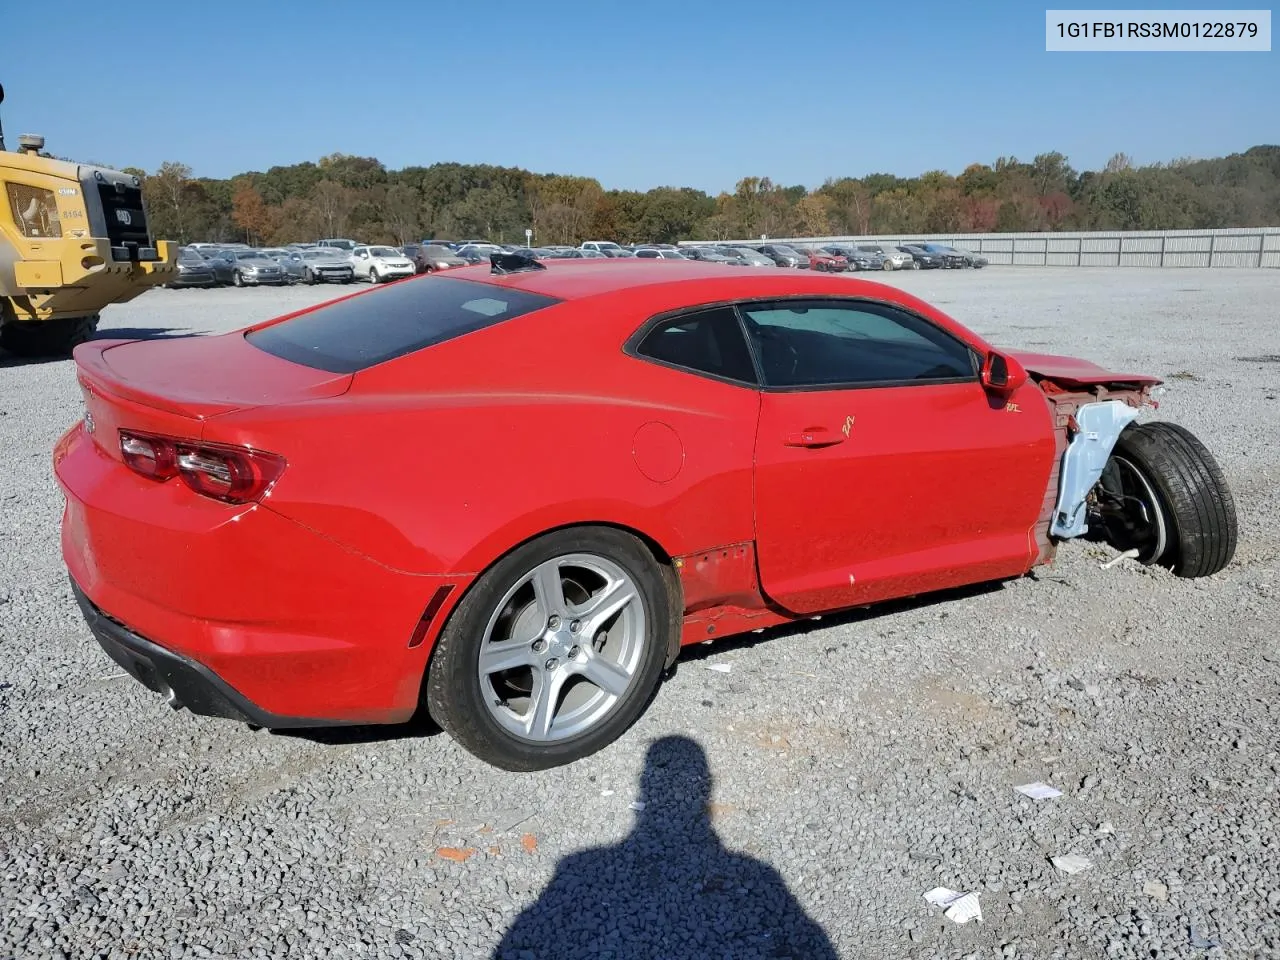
(638, 93)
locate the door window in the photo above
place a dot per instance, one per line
(819, 343)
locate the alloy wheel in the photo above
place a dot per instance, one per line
(562, 648)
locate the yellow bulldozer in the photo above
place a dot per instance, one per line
(73, 239)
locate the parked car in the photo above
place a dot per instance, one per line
(398, 566)
(607, 247)
(855, 259)
(956, 258)
(785, 255)
(582, 253)
(708, 255)
(478, 252)
(429, 257)
(922, 258)
(247, 268)
(319, 265)
(379, 264)
(537, 253)
(746, 256)
(341, 243)
(827, 262)
(658, 253)
(891, 258)
(193, 270)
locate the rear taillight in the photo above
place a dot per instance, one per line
(152, 457)
(228, 473)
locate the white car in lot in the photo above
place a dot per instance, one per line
(378, 264)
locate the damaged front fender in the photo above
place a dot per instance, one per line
(1099, 427)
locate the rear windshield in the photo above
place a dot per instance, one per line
(371, 328)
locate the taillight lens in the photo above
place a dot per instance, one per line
(153, 457)
(220, 471)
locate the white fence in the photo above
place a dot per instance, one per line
(1251, 247)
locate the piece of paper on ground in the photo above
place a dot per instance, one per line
(1072, 863)
(960, 907)
(1038, 791)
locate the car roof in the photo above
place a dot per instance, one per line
(671, 285)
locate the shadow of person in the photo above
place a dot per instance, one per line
(670, 889)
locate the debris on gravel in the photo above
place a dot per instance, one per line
(797, 805)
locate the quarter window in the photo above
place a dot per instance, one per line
(826, 343)
(709, 342)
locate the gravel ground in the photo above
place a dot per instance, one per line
(849, 766)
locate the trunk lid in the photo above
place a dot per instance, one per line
(202, 377)
(172, 387)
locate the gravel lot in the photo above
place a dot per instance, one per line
(851, 765)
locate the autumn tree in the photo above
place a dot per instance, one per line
(169, 194)
(333, 204)
(251, 214)
(401, 212)
(850, 205)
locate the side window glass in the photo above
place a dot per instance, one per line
(816, 343)
(709, 342)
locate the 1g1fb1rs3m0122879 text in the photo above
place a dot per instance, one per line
(1137, 31)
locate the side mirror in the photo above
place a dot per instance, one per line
(1002, 375)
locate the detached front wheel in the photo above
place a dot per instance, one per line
(555, 651)
(1163, 494)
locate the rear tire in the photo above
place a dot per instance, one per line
(483, 707)
(1196, 511)
(47, 338)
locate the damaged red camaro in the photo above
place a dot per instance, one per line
(510, 494)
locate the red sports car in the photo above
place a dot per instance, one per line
(509, 494)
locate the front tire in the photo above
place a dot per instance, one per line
(237, 280)
(1170, 500)
(555, 651)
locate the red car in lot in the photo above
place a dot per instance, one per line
(827, 262)
(509, 494)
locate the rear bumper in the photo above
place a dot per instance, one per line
(238, 611)
(184, 683)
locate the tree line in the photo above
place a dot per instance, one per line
(342, 195)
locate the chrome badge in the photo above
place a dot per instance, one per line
(124, 217)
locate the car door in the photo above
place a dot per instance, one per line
(360, 261)
(883, 467)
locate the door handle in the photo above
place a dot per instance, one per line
(814, 437)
